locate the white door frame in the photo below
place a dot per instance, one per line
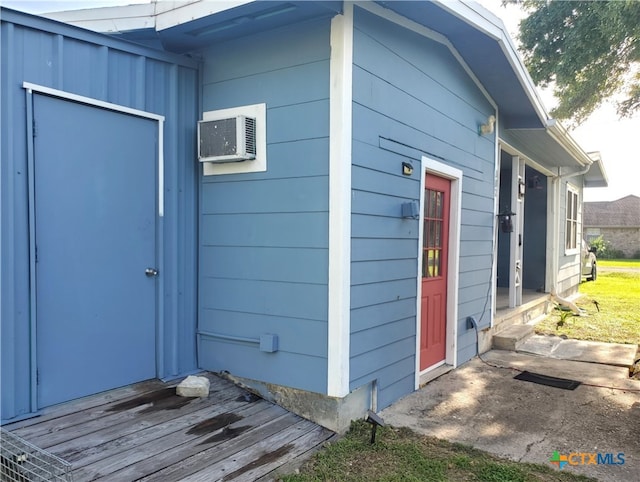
(30, 89)
(431, 166)
(517, 235)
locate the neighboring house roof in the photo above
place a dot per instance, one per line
(477, 35)
(624, 212)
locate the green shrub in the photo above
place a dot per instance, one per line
(601, 245)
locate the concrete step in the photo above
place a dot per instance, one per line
(526, 313)
(592, 373)
(615, 354)
(512, 337)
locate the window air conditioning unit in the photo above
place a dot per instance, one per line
(227, 140)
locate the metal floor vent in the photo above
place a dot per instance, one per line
(21, 461)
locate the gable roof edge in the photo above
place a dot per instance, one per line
(482, 19)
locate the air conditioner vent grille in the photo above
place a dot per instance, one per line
(250, 135)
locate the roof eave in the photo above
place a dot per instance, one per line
(110, 19)
(562, 137)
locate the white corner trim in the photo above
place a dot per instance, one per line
(453, 265)
(118, 108)
(340, 131)
(259, 164)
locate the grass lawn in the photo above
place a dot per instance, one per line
(619, 263)
(617, 294)
(402, 455)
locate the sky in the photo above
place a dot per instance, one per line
(618, 140)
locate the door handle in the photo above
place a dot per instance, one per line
(150, 272)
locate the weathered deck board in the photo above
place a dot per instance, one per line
(41, 427)
(145, 432)
(88, 448)
(201, 459)
(135, 464)
(95, 420)
(272, 452)
(84, 403)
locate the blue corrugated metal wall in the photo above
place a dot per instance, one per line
(264, 236)
(410, 97)
(55, 55)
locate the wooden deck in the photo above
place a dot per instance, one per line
(146, 432)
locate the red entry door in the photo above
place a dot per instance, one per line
(435, 244)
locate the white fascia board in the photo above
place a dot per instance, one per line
(598, 164)
(340, 132)
(171, 14)
(482, 19)
(109, 19)
(159, 15)
(562, 137)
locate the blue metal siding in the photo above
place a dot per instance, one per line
(264, 236)
(410, 98)
(81, 62)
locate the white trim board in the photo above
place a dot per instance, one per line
(118, 108)
(340, 130)
(453, 266)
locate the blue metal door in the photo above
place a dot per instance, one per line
(95, 178)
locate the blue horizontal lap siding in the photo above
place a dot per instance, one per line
(264, 236)
(411, 98)
(58, 56)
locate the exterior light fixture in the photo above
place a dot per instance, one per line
(488, 127)
(506, 221)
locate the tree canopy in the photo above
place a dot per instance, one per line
(589, 51)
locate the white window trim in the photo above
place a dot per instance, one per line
(574, 250)
(259, 164)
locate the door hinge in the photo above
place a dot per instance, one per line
(37, 377)
(33, 128)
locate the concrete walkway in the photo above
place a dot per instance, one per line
(615, 354)
(484, 406)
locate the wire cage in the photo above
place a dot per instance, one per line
(21, 461)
